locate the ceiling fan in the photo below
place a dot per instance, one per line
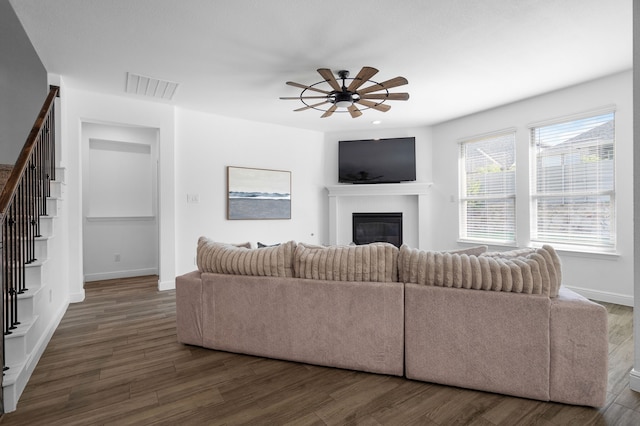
(349, 97)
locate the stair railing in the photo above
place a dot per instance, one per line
(22, 201)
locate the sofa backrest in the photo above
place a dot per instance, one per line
(369, 262)
(530, 271)
(222, 258)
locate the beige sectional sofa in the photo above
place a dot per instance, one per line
(497, 322)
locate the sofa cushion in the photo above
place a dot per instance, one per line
(223, 258)
(370, 262)
(534, 271)
(545, 256)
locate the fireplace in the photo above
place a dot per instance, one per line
(377, 227)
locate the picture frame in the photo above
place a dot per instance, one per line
(258, 193)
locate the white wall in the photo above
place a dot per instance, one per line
(120, 226)
(23, 85)
(87, 107)
(407, 204)
(206, 144)
(601, 277)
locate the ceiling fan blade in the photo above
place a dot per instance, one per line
(394, 82)
(302, 86)
(327, 74)
(311, 106)
(373, 105)
(302, 97)
(354, 111)
(365, 74)
(389, 96)
(329, 111)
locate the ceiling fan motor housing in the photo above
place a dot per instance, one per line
(343, 99)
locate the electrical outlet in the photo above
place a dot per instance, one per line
(116, 257)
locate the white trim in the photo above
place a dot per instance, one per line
(634, 380)
(352, 190)
(603, 296)
(487, 135)
(571, 117)
(118, 218)
(76, 297)
(166, 285)
(120, 274)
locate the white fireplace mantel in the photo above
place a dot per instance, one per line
(352, 190)
(337, 192)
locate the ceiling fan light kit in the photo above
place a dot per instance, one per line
(349, 98)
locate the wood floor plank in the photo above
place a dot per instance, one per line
(115, 359)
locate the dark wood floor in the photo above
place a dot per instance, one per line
(115, 360)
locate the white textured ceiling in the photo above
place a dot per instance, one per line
(233, 57)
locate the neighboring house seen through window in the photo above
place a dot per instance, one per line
(487, 189)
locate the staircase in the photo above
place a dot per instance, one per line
(27, 342)
(32, 278)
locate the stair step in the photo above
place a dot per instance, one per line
(13, 383)
(47, 225)
(53, 205)
(20, 343)
(36, 273)
(61, 174)
(27, 303)
(42, 247)
(58, 189)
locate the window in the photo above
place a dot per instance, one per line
(487, 189)
(573, 193)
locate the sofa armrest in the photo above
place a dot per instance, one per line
(189, 308)
(579, 350)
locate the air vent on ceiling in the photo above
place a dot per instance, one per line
(149, 86)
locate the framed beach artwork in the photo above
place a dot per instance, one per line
(258, 193)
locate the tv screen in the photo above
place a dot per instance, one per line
(377, 160)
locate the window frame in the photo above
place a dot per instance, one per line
(534, 195)
(463, 198)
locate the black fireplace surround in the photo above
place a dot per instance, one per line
(377, 227)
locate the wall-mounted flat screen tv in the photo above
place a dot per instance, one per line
(389, 160)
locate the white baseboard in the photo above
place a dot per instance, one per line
(634, 380)
(603, 296)
(76, 297)
(166, 285)
(120, 274)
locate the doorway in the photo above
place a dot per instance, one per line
(119, 201)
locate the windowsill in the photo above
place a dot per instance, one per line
(494, 245)
(581, 251)
(563, 249)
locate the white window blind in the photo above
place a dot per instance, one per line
(487, 189)
(573, 191)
